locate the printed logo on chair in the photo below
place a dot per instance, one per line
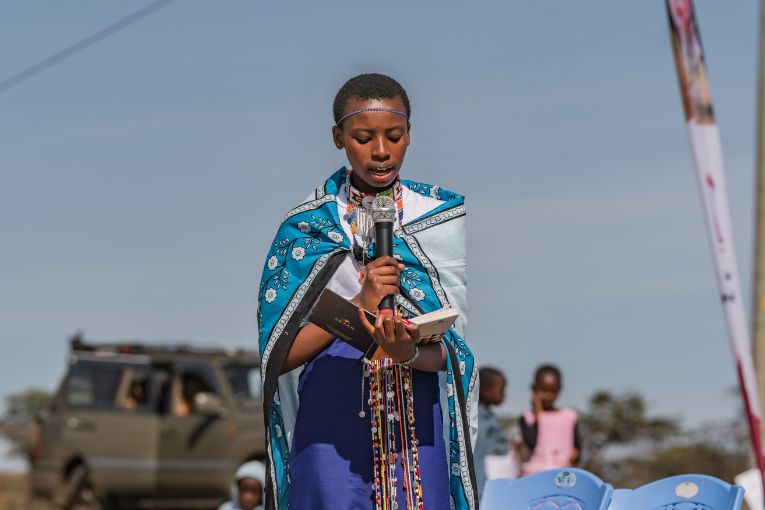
(565, 479)
(686, 490)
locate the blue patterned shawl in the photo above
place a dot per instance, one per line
(309, 246)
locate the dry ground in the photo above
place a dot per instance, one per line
(13, 491)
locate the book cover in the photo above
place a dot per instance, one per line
(338, 316)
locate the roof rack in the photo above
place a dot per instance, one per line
(78, 343)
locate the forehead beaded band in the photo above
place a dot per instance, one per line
(387, 110)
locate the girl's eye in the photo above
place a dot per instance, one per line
(394, 139)
(363, 140)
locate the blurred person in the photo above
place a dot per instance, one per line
(247, 487)
(551, 434)
(325, 432)
(136, 396)
(491, 438)
(185, 392)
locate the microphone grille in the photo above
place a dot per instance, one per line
(383, 209)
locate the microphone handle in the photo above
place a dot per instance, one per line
(383, 247)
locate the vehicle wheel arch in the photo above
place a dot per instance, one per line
(72, 464)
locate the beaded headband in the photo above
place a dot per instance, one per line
(387, 110)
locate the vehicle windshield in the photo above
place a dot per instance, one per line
(244, 380)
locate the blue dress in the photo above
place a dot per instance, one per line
(331, 462)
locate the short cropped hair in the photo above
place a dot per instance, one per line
(369, 86)
(548, 369)
(489, 377)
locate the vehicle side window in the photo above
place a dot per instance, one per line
(189, 381)
(108, 386)
(134, 393)
(244, 380)
(93, 385)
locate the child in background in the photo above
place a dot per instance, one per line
(247, 488)
(491, 439)
(550, 433)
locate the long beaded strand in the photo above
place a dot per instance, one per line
(415, 474)
(405, 462)
(374, 404)
(391, 399)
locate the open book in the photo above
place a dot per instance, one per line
(338, 316)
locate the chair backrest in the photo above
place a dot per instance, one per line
(555, 489)
(684, 492)
(618, 498)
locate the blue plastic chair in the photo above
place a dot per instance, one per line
(684, 492)
(556, 489)
(619, 498)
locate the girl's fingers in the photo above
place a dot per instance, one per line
(384, 279)
(365, 322)
(413, 330)
(383, 261)
(398, 328)
(379, 322)
(388, 327)
(383, 270)
(390, 290)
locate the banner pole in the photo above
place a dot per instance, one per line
(758, 290)
(704, 137)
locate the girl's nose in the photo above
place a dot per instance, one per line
(380, 150)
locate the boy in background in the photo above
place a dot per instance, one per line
(491, 439)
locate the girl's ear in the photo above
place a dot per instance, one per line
(337, 137)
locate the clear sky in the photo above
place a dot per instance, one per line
(141, 181)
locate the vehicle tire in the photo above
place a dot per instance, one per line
(78, 492)
(37, 503)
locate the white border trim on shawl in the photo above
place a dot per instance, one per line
(436, 219)
(293, 304)
(307, 206)
(407, 234)
(417, 251)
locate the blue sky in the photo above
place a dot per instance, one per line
(142, 180)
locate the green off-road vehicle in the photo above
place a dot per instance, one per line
(135, 425)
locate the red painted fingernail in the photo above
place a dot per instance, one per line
(407, 321)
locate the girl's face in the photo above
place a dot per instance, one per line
(547, 388)
(374, 142)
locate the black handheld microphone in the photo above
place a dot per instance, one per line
(384, 214)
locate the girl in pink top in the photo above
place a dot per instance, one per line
(550, 433)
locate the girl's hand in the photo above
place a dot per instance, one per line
(381, 278)
(395, 335)
(536, 400)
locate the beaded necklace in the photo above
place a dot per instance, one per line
(359, 217)
(391, 389)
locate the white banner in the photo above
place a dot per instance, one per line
(707, 154)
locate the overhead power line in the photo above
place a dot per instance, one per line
(85, 43)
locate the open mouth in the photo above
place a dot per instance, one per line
(381, 173)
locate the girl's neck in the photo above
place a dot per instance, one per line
(366, 188)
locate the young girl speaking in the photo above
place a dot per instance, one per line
(344, 431)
